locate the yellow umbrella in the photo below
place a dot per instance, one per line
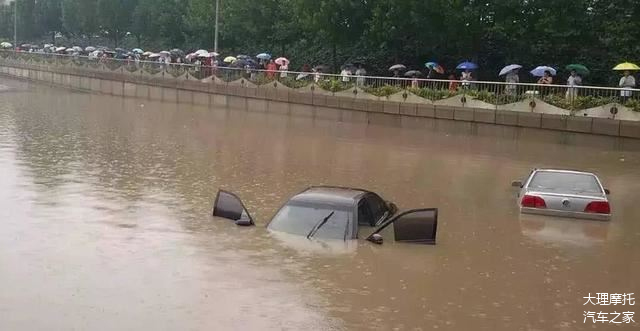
(230, 59)
(626, 66)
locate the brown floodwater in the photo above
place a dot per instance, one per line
(105, 222)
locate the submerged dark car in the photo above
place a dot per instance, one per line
(338, 213)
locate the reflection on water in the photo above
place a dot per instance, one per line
(106, 207)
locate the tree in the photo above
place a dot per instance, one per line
(115, 18)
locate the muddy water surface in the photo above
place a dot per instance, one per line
(104, 222)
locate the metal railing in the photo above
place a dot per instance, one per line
(480, 94)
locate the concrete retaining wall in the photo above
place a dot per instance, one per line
(320, 104)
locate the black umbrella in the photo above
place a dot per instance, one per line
(177, 52)
(413, 73)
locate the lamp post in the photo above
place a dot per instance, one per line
(215, 33)
(15, 24)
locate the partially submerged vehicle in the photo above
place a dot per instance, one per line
(563, 193)
(338, 213)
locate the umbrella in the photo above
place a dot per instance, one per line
(412, 73)
(397, 67)
(154, 55)
(243, 57)
(201, 52)
(282, 60)
(147, 53)
(6, 45)
(435, 67)
(229, 59)
(177, 52)
(77, 48)
(120, 50)
(165, 53)
(539, 71)
(214, 54)
(509, 69)
(467, 66)
(25, 46)
(60, 49)
(626, 66)
(263, 56)
(70, 50)
(137, 50)
(579, 68)
(90, 49)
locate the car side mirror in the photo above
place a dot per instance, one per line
(606, 191)
(376, 238)
(516, 183)
(392, 207)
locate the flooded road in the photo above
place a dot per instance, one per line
(105, 204)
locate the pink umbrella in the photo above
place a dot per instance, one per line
(282, 61)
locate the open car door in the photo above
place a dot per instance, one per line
(414, 226)
(228, 205)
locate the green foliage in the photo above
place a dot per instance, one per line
(633, 104)
(383, 91)
(334, 85)
(493, 33)
(432, 93)
(495, 98)
(578, 102)
(290, 81)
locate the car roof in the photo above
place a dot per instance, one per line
(565, 171)
(333, 195)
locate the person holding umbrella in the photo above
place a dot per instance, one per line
(626, 82)
(511, 78)
(573, 81)
(271, 69)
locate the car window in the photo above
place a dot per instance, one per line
(365, 217)
(300, 220)
(377, 205)
(570, 183)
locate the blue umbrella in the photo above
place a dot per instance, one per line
(263, 56)
(467, 66)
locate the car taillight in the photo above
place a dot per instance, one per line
(598, 207)
(532, 201)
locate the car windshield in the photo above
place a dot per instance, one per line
(570, 183)
(299, 219)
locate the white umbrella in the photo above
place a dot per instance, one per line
(281, 61)
(165, 53)
(60, 49)
(5, 45)
(509, 68)
(137, 50)
(201, 52)
(397, 67)
(77, 48)
(214, 54)
(154, 55)
(89, 49)
(539, 71)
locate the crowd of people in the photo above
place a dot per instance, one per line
(207, 62)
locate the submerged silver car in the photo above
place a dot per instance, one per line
(563, 193)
